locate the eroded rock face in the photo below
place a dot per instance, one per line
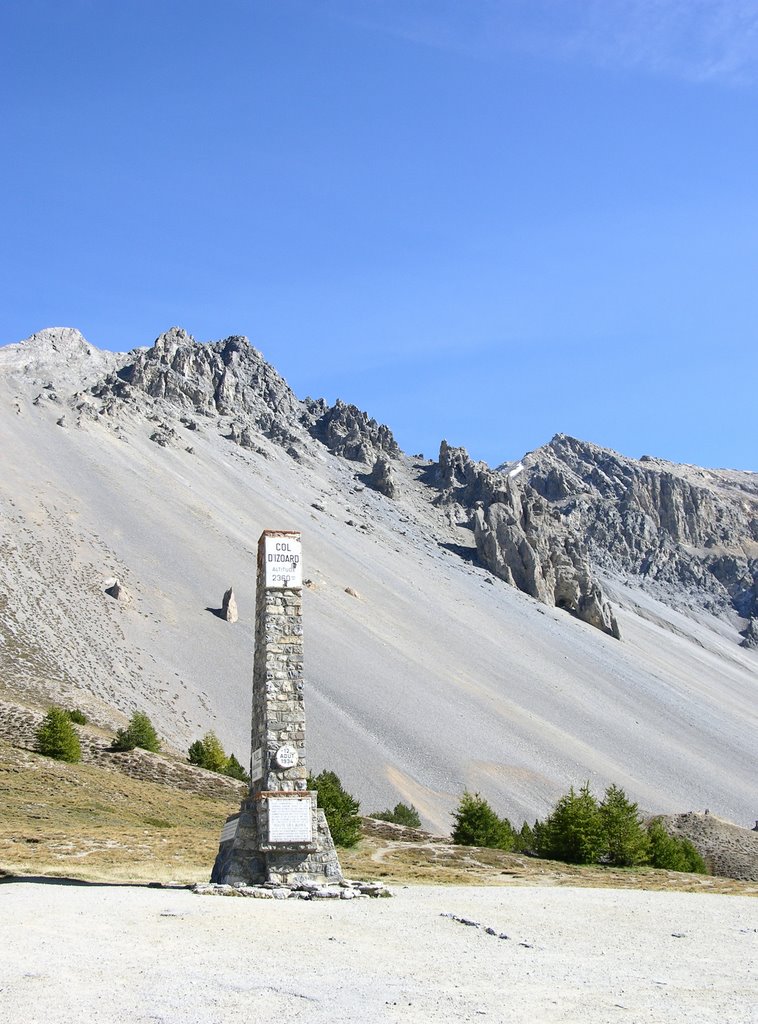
(382, 478)
(225, 378)
(689, 535)
(462, 480)
(750, 640)
(520, 542)
(347, 431)
(685, 530)
(520, 538)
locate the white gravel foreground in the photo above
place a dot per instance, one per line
(78, 953)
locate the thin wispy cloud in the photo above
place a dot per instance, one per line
(697, 40)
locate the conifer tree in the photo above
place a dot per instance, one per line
(525, 839)
(139, 733)
(340, 808)
(477, 824)
(56, 737)
(208, 753)
(574, 831)
(235, 770)
(671, 853)
(625, 840)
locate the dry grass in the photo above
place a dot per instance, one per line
(87, 822)
(441, 863)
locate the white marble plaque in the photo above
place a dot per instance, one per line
(282, 558)
(256, 765)
(286, 756)
(289, 819)
(229, 831)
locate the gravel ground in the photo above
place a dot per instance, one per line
(74, 953)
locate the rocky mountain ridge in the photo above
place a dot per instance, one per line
(576, 505)
(572, 509)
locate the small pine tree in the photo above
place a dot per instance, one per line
(208, 753)
(625, 840)
(340, 808)
(235, 770)
(573, 832)
(56, 737)
(402, 814)
(196, 753)
(139, 733)
(77, 716)
(476, 824)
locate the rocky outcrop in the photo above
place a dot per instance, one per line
(58, 357)
(520, 539)
(461, 480)
(690, 533)
(226, 378)
(382, 477)
(521, 543)
(348, 432)
(750, 636)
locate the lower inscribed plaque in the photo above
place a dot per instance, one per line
(290, 819)
(229, 830)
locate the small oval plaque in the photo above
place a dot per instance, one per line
(286, 756)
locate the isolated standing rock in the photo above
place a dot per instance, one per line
(382, 478)
(750, 635)
(229, 607)
(117, 591)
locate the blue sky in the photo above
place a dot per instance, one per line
(484, 220)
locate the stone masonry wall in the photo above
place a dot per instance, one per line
(278, 708)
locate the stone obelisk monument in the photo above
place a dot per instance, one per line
(279, 836)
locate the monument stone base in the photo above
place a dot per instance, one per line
(249, 855)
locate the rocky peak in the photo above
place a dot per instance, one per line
(223, 378)
(58, 355)
(349, 432)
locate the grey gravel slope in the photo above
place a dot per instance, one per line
(436, 676)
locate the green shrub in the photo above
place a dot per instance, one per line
(139, 733)
(77, 716)
(672, 853)
(340, 808)
(56, 737)
(476, 824)
(574, 831)
(402, 814)
(208, 753)
(625, 840)
(235, 770)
